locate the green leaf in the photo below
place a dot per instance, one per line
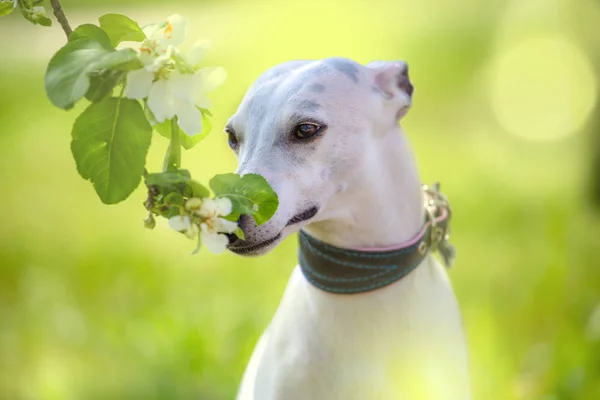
(102, 85)
(7, 6)
(121, 29)
(198, 190)
(239, 233)
(68, 73)
(93, 32)
(187, 142)
(168, 178)
(44, 21)
(171, 211)
(110, 142)
(174, 198)
(250, 194)
(206, 124)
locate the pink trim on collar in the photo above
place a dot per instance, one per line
(443, 215)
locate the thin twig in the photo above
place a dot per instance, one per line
(173, 156)
(60, 16)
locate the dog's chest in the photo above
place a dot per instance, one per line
(324, 346)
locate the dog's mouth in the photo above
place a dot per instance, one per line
(303, 216)
(254, 247)
(239, 247)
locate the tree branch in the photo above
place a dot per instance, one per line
(61, 18)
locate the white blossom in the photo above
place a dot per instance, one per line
(172, 82)
(182, 223)
(211, 226)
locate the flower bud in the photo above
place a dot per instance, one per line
(193, 203)
(150, 222)
(37, 12)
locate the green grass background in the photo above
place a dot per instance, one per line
(93, 306)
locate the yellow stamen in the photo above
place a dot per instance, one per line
(169, 31)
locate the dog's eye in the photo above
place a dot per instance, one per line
(232, 139)
(306, 131)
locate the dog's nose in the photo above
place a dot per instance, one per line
(232, 237)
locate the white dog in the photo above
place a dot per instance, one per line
(368, 313)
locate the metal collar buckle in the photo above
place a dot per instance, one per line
(436, 206)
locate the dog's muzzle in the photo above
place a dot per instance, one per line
(242, 247)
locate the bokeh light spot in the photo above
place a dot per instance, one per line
(542, 88)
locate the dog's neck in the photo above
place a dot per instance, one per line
(382, 205)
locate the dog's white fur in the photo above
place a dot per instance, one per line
(404, 341)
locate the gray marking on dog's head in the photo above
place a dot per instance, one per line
(318, 69)
(345, 66)
(308, 105)
(316, 88)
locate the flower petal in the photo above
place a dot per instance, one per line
(215, 242)
(181, 86)
(224, 206)
(197, 51)
(176, 29)
(191, 232)
(160, 101)
(147, 59)
(208, 208)
(180, 223)
(189, 118)
(139, 83)
(153, 30)
(202, 101)
(208, 79)
(222, 225)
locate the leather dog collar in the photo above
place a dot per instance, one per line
(347, 271)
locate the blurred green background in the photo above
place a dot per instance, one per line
(93, 306)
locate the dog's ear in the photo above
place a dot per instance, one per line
(390, 79)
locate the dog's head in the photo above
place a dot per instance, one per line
(307, 127)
